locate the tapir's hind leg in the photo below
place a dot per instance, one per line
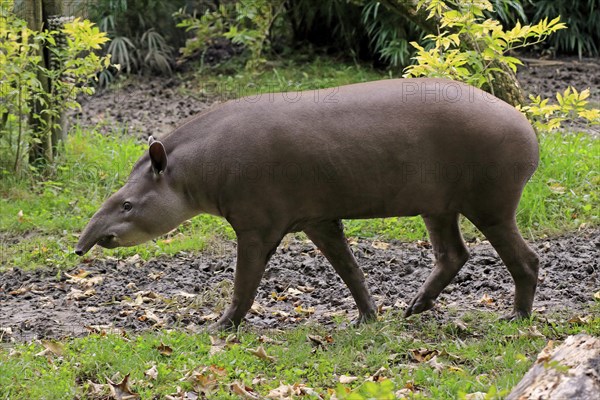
(253, 252)
(329, 238)
(450, 255)
(522, 262)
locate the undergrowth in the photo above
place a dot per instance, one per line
(417, 357)
(41, 220)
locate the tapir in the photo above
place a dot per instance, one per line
(276, 163)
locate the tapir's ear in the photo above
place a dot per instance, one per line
(158, 156)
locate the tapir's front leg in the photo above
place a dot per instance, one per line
(253, 252)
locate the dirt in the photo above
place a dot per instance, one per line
(299, 287)
(188, 291)
(141, 106)
(546, 77)
(154, 106)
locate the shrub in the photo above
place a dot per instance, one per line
(569, 105)
(143, 36)
(581, 16)
(245, 22)
(27, 81)
(472, 48)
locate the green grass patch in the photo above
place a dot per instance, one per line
(41, 217)
(44, 217)
(230, 81)
(479, 354)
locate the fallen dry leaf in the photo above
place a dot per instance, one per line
(152, 373)
(281, 313)
(149, 315)
(21, 290)
(486, 300)
(104, 330)
(317, 340)
(216, 345)
(76, 294)
(261, 353)
(423, 355)
(58, 349)
(597, 295)
(121, 390)
(244, 391)
(266, 339)
(290, 392)
(345, 379)
(96, 390)
(380, 245)
(209, 317)
(379, 375)
(155, 275)
(302, 310)
(257, 309)
(182, 395)
(476, 396)
(259, 380)
(5, 332)
(164, 349)
(80, 274)
(435, 364)
(581, 319)
(205, 379)
(531, 332)
(546, 352)
(306, 289)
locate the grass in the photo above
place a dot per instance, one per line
(229, 80)
(42, 218)
(477, 354)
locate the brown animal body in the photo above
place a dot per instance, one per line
(280, 163)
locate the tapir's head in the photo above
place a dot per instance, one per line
(148, 205)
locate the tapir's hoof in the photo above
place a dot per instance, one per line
(516, 315)
(417, 305)
(364, 319)
(223, 324)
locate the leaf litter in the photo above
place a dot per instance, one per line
(188, 292)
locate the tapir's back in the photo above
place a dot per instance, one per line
(385, 148)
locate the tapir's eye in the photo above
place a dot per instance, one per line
(127, 206)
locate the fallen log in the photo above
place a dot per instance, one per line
(571, 372)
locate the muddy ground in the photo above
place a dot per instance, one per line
(154, 106)
(187, 291)
(299, 287)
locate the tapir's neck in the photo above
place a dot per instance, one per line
(191, 169)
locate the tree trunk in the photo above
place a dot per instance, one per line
(505, 84)
(45, 134)
(571, 371)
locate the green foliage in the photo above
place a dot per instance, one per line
(143, 36)
(569, 105)
(389, 33)
(468, 45)
(245, 22)
(488, 356)
(581, 16)
(560, 197)
(507, 11)
(27, 79)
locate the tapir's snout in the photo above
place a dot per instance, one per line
(97, 231)
(84, 245)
